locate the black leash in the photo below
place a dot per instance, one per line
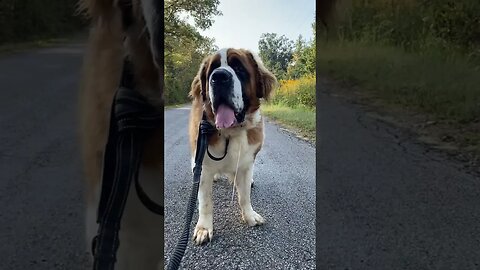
(132, 121)
(204, 129)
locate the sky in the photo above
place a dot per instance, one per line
(243, 22)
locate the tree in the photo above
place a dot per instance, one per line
(276, 52)
(297, 67)
(23, 20)
(185, 47)
(304, 57)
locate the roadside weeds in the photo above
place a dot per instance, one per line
(299, 121)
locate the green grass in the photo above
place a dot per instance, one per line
(22, 46)
(173, 106)
(300, 119)
(441, 84)
(13, 47)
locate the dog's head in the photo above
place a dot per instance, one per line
(230, 83)
(143, 18)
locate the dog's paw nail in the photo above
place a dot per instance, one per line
(253, 219)
(202, 235)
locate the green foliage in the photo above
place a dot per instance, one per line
(420, 54)
(447, 88)
(201, 11)
(276, 52)
(294, 65)
(288, 59)
(26, 20)
(303, 60)
(185, 47)
(415, 24)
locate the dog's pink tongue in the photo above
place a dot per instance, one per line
(225, 117)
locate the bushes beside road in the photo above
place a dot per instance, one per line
(27, 20)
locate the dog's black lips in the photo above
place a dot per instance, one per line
(241, 116)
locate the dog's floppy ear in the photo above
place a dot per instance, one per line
(199, 85)
(97, 8)
(266, 81)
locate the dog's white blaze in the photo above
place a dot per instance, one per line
(223, 57)
(210, 93)
(237, 97)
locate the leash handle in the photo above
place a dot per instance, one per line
(204, 129)
(107, 242)
(132, 119)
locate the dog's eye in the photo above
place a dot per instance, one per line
(213, 66)
(237, 66)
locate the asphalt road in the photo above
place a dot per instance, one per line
(387, 202)
(384, 201)
(284, 194)
(41, 214)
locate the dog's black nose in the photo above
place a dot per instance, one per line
(221, 76)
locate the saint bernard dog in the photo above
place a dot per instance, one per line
(228, 89)
(141, 232)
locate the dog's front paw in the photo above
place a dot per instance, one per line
(202, 234)
(252, 218)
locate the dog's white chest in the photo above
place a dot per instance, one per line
(239, 153)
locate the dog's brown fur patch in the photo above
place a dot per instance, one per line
(255, 135)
